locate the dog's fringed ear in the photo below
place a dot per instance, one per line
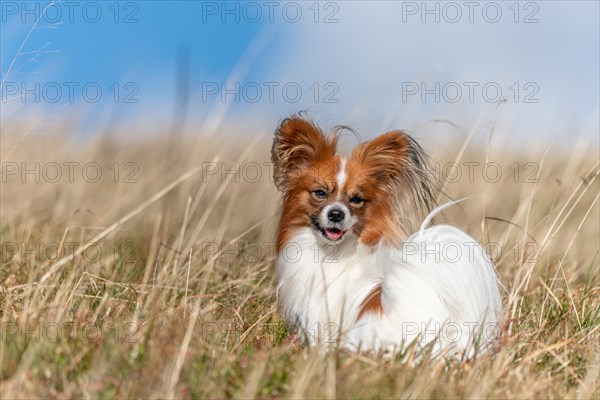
(398, 162)
(298, 142)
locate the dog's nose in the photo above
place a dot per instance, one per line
(335, 215)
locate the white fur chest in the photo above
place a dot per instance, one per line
(320, 286)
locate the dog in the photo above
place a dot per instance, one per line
(357, 265)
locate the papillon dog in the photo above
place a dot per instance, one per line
(358, 266)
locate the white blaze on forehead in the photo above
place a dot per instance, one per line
(341, 176)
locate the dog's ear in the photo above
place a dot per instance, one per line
(400, 165)
(297, 144)
(391, 154)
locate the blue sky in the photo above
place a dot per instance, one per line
(375, 65)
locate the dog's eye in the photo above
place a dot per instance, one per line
(320, 194)
(356, 200)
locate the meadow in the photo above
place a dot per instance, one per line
(142, 266)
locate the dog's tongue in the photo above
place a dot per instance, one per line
(333, 234)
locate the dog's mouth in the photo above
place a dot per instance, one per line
(332, 234)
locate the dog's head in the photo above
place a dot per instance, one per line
(380, 192)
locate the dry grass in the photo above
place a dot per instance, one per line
(123, 289)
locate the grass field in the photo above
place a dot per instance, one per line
(155, 279)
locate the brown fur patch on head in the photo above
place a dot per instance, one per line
(393, 170)
(298, 143)
(304, 160)
(300, 205)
